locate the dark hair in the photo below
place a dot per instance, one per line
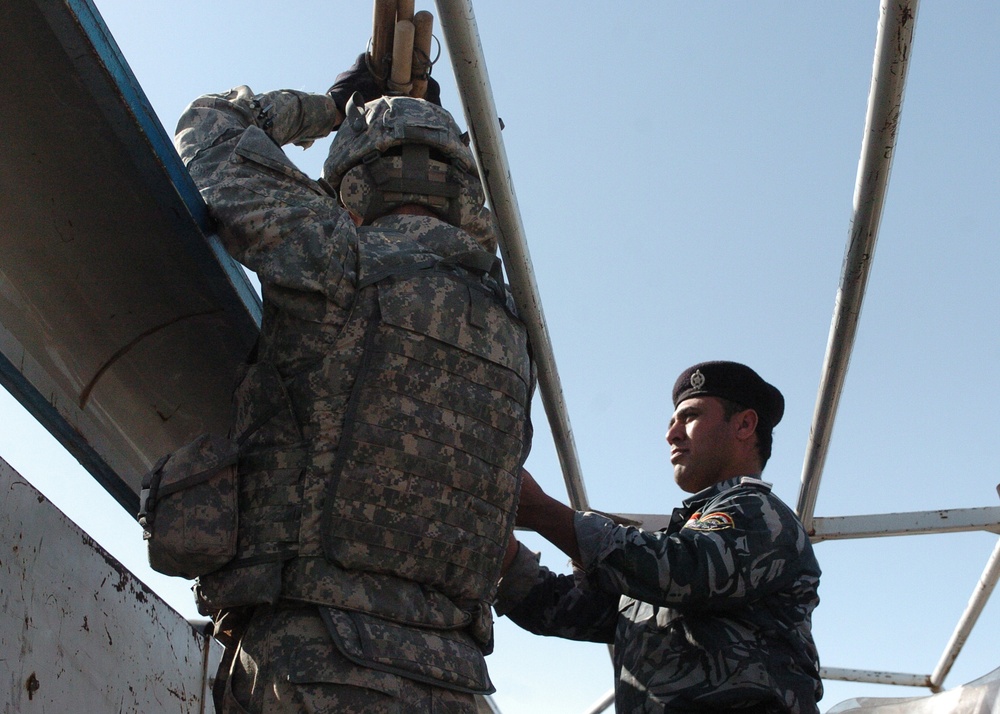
(765, 434)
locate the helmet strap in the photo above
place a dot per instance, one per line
(392, 186)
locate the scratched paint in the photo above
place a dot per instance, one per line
(84, 632)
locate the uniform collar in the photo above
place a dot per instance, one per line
(714, 490)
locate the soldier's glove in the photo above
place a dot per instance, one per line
(360, 79)
(357, 79)
(433, 93)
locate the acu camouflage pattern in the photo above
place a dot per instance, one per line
(365, 640)
(385, 418)
(188, 508)
(713, 613)
(388, 122)
(424, 480)
(288, 664)
(445, 179)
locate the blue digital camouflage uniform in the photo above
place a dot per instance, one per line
(386, 422)
(711, 614)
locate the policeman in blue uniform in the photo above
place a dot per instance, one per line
(711, 614)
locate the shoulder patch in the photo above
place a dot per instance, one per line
(715, 521)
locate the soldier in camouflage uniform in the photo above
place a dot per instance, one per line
(383, 419)
(711, 614)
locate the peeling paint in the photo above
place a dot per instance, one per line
(32, 685)
(149, 658)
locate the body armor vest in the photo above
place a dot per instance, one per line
(382, 478)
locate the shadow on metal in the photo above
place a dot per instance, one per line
(121, 320)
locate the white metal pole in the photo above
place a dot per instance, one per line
(955, 520)
(603, 704)
(458, 24)
(870, 676)
(885, 99)
(981, 594)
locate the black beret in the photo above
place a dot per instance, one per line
(735, 382)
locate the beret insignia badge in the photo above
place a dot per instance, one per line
(697, 379)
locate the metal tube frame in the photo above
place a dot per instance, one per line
(885, 99)
(955, 520)
(980, 595)
(603, 704)
(958, 520)
(870, 676)
(892, 54)
(458, 23)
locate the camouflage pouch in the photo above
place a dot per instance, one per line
(441, 658)
(238, 585)
(188, 508)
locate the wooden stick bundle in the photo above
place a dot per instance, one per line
(401, 47)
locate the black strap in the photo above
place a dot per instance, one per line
(396, 268)
(239, 620)
(477, 261)
(347, 431)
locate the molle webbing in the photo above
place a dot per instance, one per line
(412, 177)
(394, 459)
(425, 478)
(270, 505)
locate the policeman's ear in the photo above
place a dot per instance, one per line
(746, 424)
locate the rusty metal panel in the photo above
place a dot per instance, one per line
(81, 633)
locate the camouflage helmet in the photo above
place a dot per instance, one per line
(399, 150)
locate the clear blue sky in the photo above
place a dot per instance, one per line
(685, 173)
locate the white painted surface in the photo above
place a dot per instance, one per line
(79, 632)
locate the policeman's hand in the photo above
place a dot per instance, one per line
(357, 79)
(546, 516)
(532, 494)
(533, 504)
(509, 554)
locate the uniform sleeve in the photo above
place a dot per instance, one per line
(270, 215)
(740, 548)
(545, 603)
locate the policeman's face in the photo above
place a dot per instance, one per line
(702, 443)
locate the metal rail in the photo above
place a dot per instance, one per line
(603, 704)
(984, 588)
(953, 520)
(458, 24)
(885, 99)
(956, 520)
(980, 595)
(870, 676)
(892, 54)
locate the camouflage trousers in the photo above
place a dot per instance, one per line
(287, 663)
